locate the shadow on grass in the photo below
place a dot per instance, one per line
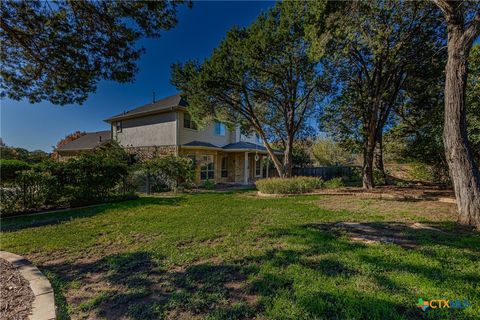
(297, 282)
(30, 221)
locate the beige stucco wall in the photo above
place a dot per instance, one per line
(207, 134)
(153, 130)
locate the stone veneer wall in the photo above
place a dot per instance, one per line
(145, 153)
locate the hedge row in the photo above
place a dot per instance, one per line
(296, 185)
(293, 185)
(91, 178)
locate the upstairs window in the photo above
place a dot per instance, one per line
(219, 129)
(188, 122)
(258, 138)
(118, 126)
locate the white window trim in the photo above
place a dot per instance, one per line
(206, 165)
(118, 125)
(191, 121)
(259, 162)
(226, 167)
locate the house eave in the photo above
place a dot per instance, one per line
(143, 114)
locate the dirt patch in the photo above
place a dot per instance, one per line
(16, 296)
(417, 191)
(394, 233)
(400, 210)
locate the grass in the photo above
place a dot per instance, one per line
(236, 256)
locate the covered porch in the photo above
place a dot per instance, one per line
(236, 163)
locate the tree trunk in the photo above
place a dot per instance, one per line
(379, 165)
(288, 158)
(463, 170)
(367, 168)
(273, 156)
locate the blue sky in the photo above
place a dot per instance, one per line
(199, 31)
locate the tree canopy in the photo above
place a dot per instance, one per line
(58, 51)
(374, 50)
(259, 77)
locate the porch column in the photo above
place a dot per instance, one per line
(245, 169)
(268, 164)
(261, 165)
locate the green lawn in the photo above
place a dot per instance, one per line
(235, 256)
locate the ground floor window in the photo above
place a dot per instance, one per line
(224, 167)
(258, 166)
(207, 170)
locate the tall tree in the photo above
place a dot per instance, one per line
(58, 50)
(375, 47)
(473, 101)
(260, 77)
(418, 132)
(463, 27)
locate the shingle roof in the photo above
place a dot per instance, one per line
(200, 144)
(163, 104)
(237, 146)
(243, 145)
(87, 142)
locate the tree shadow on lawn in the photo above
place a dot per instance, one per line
(320, 275)
(37, 220)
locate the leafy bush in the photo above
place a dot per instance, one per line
(293, 185)
(208, 185)
(378, 178)
(9, 169)
(421, 172)
(90, 178)
(334, 183)
(10, 200)
(329, 153)
(34, 188)
(170, 172)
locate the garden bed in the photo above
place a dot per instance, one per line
(16, 296)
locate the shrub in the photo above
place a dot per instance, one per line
(208, 185)
(9, 169)
(378, 178)
(334, 183)
(9, 200)
(33, 187)
(90, 178)
(421, 172)
(293, 185)
(169, 172)
(95, 176)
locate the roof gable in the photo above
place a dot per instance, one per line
(88, 141)
(158, 106)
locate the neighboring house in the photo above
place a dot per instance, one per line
(85, 143)
(165, 127)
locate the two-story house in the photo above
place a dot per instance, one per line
(165, 127)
